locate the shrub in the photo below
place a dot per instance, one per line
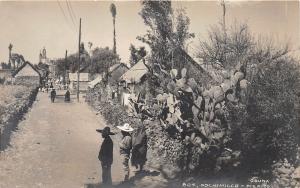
(271, 131)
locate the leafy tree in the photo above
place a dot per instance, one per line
(102, 59)
(180, 37)
(113, 11)
(165, 38)
(157, 15)
(136, 54)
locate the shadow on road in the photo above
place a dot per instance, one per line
(130, 183)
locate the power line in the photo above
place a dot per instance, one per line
(63, 12)
(69, 11)
(72, 10)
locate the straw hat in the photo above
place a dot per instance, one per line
(126, 127)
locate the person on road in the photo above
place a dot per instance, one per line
(125, 147)
(53, 95)
(106, 155)
(67, 96)
(139, 148)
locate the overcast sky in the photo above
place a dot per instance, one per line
(30, 26)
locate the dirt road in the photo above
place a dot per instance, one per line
(56, 146)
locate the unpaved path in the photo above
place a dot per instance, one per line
(56, 146)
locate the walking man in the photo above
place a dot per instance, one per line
(125, 147)
(106, 155)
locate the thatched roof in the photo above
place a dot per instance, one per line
(135, 73)
(115, 66)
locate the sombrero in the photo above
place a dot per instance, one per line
(126, 127)
(105, 130)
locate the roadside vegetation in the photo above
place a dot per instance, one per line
(245, 123)
(14, 102)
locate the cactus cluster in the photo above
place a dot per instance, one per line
(207, 106)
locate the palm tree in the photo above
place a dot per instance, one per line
(113, 11)
(9, 51)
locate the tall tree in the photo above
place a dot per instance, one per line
(157, 15)
(136, 54)
(102, 59)
(9, 55)
(165, 37)
(113, 11)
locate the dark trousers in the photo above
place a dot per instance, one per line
(106, 174)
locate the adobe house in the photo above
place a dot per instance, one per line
(27, 75)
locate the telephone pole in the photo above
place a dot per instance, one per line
(223, 4)
(78, 71)
(65, 72)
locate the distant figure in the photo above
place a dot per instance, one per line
(106, 155)
(67, 96)
(125, 147)
(139, 149)
(53, 95)
(47, 88)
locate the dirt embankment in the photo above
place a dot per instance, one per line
(15, 101)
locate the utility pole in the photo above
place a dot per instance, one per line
(78, 71)
(224, 16)
(223, 4)
(64, 78)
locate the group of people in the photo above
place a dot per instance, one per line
(132, 146)
(53, 95)
(50, 87)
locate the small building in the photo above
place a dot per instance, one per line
(96, 81)
(5, 75)
(108, 84)
(134, 77)
(115, 72)
(133, 82)
(84, 78)
(27, 75)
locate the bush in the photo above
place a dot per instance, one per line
(271, 131)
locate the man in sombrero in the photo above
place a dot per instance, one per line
(106, 155)
(125, 147)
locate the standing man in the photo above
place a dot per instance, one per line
(67, 96)
(53, 95)
(139, 148)
(106, 155)
(125, 147)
